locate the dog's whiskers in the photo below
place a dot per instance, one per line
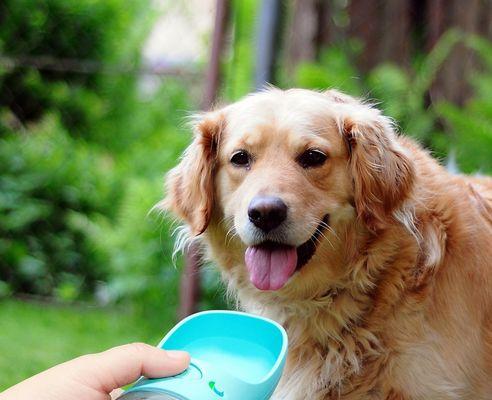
(319, 224)
(230, 235)
(231, 232)
(329, 228)
(315, 237)
(321, 233)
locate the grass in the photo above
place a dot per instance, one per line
(35, 336)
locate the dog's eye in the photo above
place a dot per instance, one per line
(241, 158)
(312, 158)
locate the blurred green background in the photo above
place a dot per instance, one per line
(93, 99)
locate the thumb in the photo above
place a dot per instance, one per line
(122, 365)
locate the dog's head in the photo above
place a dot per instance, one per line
(282, 171)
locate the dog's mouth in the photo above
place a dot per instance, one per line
(271, 264)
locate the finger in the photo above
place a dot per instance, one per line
(122, 365)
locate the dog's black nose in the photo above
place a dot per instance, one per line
(267, 212)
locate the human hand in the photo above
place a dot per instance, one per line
(96, 376)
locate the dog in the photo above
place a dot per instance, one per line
(375, 259)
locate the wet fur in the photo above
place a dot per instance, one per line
(396, 303)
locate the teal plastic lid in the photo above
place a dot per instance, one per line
(234, 356)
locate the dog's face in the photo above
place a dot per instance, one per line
(281, 177)
(281, 172)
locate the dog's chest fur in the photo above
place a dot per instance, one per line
(370, 339)
(329, 336)
(351, 361)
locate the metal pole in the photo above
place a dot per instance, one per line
(268, 26)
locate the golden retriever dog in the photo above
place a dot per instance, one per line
(375, 259)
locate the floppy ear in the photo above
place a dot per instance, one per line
(383, 175)
(190, 185)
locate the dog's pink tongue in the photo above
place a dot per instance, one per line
(270, 268)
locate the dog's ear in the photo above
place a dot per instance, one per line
(383, 175)
(190, 185)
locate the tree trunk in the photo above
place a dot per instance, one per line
(190, 280)
(301, 36)
(383, 27)
(452, 79)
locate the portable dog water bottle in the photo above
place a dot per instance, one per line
(234, 356)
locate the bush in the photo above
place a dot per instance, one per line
(334, 70)
(137, 248)
(47, 181)
(73, 218)
(82, 40)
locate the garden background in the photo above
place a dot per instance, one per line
(94, 97)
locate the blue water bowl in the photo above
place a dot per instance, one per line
(234, 356)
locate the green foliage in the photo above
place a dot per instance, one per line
(402, 95)
(135, 125)
(137, 249)
(240, 68)
(82, 154)
(85, 39)
(105, 225)
(471, 137)
(471, 125)
(47, 180)
(334, 70)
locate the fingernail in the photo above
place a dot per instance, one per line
(177, 354)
